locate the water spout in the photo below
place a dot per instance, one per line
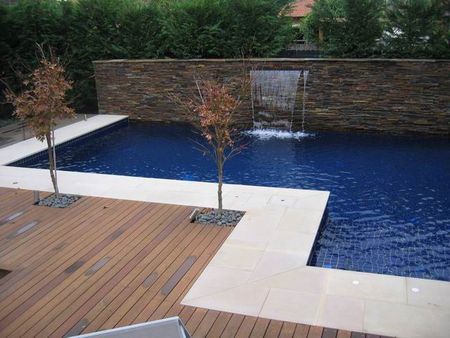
(293, 108)
(305, 79)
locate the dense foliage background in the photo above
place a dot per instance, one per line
(81, 31)
(380, 28)
(85, 30)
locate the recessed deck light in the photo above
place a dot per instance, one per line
(415, 290)
(355, 282)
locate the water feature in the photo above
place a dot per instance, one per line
(274, 94)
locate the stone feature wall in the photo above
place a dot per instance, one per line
(395, 96)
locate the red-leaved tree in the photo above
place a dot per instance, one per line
(214, 117)
(41, 103)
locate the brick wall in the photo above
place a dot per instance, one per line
(394, 96)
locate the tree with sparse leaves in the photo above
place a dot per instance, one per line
(213, 115)
(211, 110)
(41, 103)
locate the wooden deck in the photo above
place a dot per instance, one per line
(104, 263)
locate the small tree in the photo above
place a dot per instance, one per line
(41, 103)
(214, 118)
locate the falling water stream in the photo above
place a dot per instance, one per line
(305, 79)
(273, 94)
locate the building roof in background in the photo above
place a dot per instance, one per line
(301, 8)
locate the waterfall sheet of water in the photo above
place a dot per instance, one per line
(274, 95)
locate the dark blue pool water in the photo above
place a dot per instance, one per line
(389, 210)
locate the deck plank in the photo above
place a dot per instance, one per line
(344, 334)
(233, 325)
(206, 324)
(260, 327)
(246, 327)
(315, 332)
(196, 319)
(301, 331)
(288, 330)
(219, 325)
(358, 335)
(274, 329)
(329, 333)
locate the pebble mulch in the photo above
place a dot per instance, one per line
(62, 201)
(226, 218)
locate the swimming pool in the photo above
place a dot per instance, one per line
(389, 209)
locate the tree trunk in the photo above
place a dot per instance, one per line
(54, 159)
(51, 161)
(220, 181)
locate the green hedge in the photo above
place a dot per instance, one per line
(85, 30)
(228, 29)
(374, 28)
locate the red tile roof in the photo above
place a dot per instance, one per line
(301, 8)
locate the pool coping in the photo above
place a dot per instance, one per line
(261, 269)
(20, 150)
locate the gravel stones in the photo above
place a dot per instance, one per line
(62, 201)
(226, 218)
